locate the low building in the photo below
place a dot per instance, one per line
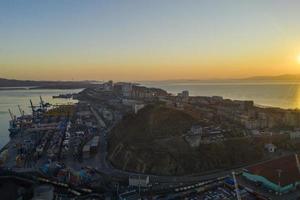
(130, 195)
(94, 144)
(124, 89)
(271, 148)
(195, 130)
(139, 181)
(45, 192)
(193, 140)
(185, 93)
(138, 107)
(294, 135)
(86, 151)
(281, 175)
(216, 99)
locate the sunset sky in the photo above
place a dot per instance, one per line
(148, 39)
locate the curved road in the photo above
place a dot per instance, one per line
(107, 168)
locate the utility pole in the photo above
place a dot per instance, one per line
(236, 186)
(139, 185)
(279, 176)
(297, 162)
(117, 189)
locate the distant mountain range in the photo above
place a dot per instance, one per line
(284, 77)
(255, 79)
(85, 84)
(11, 83)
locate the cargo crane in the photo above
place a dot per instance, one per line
(32, 107)
(11, 115)
(35, 112)
(41, 102)
(13, 125)
(21, 111)
(44, 105)
(41, 108)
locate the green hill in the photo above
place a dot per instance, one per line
(152, 142)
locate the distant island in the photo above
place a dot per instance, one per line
(8, 84)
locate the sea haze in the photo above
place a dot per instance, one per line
(274, 94)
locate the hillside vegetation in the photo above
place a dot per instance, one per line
(152, 142)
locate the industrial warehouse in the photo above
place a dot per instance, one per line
(281, 175)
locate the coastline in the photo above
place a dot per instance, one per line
(39, 88)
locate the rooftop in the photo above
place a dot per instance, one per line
(286, 166)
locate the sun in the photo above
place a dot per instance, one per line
(298, 59)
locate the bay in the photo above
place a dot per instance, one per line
(10, 99)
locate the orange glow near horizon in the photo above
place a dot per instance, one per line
(153, 68)
(161, 40)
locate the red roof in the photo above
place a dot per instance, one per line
(286, 166)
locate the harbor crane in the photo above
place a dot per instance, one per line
(31, 105)
(21, 111)
(42, 102)
(11, 115)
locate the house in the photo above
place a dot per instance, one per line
(271, 148)
(139, 181)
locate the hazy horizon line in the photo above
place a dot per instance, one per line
(258, 77)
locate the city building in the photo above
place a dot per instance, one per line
(139, 181)
(294, 135)
(281, 175)
(185, 93)
(216, 99)
(125, 89)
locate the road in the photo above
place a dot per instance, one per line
(101, 163)
(106, 168)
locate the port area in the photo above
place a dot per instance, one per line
(67, 146)
(64, 138)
